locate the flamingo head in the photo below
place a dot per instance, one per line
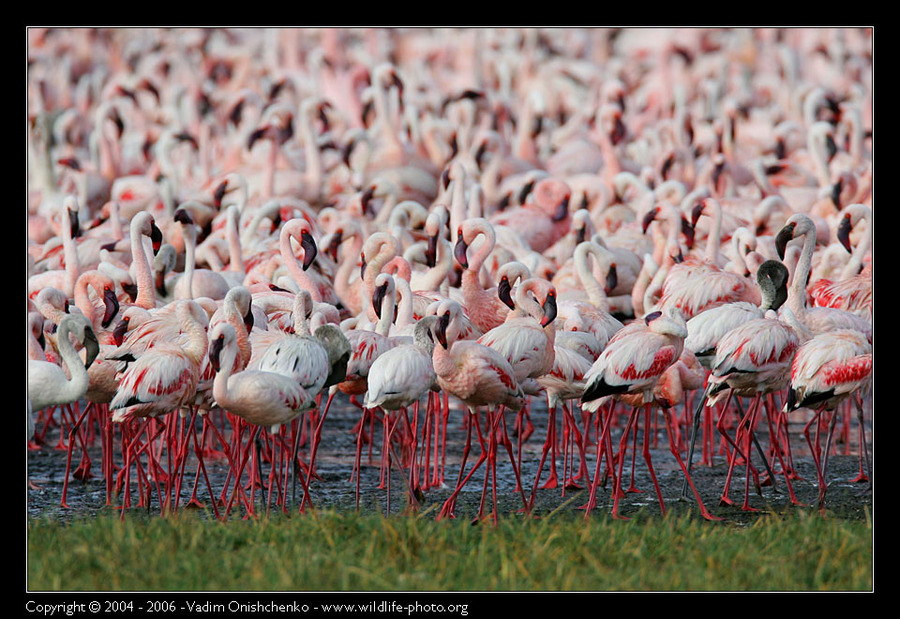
(504, 291)
(843, 232)
(431, 250)
(612, 279)
(310, 250)
(549, 308)
(459, 251)
(784, 236)
(440, 328)
(111, 305)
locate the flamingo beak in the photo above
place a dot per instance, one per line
(459, 252)
(549, 308)
(334, 244)
(91, 347)
(431, 251)
(612, 279)
(689, 233)
(248, 318)
(111, 304)
(119, 331)
(219, 193)
(378, 299)
(649, 218)
(156, 237)
(580, 235)
(783, 237)
(362, 265)
(131, 290)
(843, 233)
(504, 291)
(215, 352)
(74, 228)
(562, 210)
(440, 329)
(308, 243)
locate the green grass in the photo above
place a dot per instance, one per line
(349, 552)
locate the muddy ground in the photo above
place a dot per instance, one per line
(334, 488)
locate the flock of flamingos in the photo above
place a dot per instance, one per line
(616, 228)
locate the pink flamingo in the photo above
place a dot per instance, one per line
(261, 398)
(161, 379)
(478, 376)
(484, 307)
(544, 220)
(853, 290)
(697, 285)
(816, 319)
(633, 362)
(751, 360)
(827, 370)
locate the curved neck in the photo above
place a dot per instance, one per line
(295, 268)
(78, 375)
(854, 265)
(143, 275)
(797, 293)
(591, 286)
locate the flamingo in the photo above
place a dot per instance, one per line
(694, 286)
(484, 307)
(62, 279)
(196, 282)
(751, 360)
(261, 398)
(48, 383)
(633, 363)
(401, 376)
(478, 376)
(827, 370)
(853, 289)
(816, 319)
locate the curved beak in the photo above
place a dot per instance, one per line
(836, 192)
(580, 235)
(215, 351)
(648, 219)
(689, 233)
(696, 212)
(459, 252)
(362, 265)
(783, 237)
(549, 308)
(378, 298)
(74, 227)
(91, 347)
(119, 331)
(308, 243)
(612, 278)
(431, 251)
(440, 329)
(334, 244)
(562, 210)
(131, 290)
(156, 237)
(111, 303)
(843, 233)
(248, 318)
(504, 291)
(219, 193)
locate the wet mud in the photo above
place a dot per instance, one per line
(334, 486)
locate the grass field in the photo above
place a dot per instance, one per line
(350, 552)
